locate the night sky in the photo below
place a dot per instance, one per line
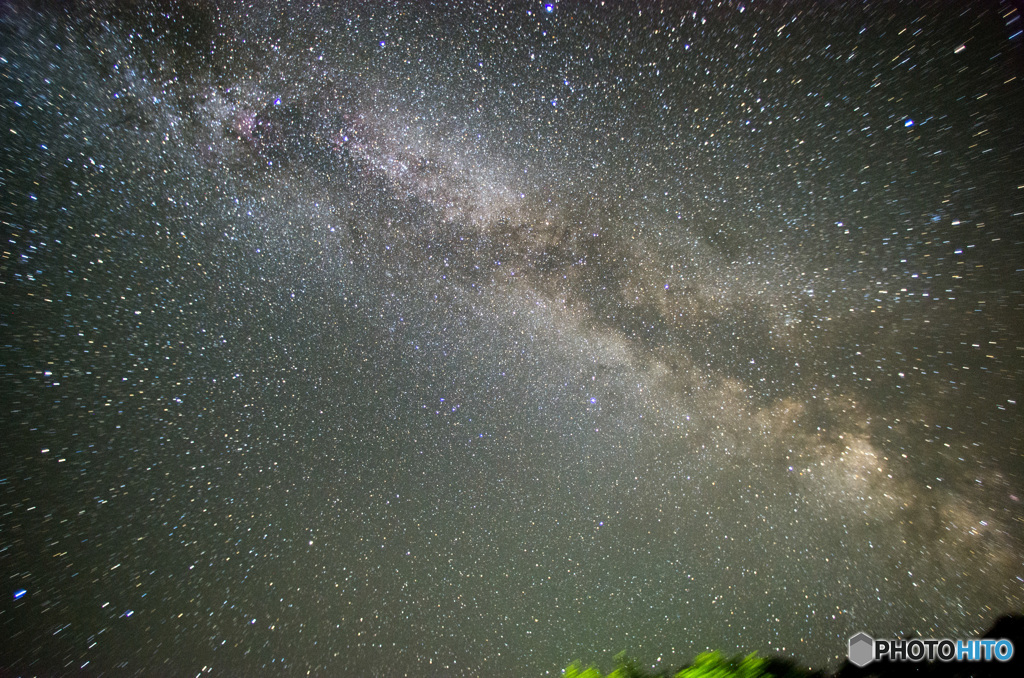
(476, 337)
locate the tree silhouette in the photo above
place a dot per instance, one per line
(717, 665)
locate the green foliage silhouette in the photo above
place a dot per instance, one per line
(706, 665)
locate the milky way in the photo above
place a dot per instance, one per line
(414, 340)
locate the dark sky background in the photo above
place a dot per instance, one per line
(476, 337)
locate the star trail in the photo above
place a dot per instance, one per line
(470, 338)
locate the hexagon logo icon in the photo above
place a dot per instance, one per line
(862, 649)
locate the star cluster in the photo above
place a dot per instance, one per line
(445, 340)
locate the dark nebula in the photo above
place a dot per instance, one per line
(470, 338)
